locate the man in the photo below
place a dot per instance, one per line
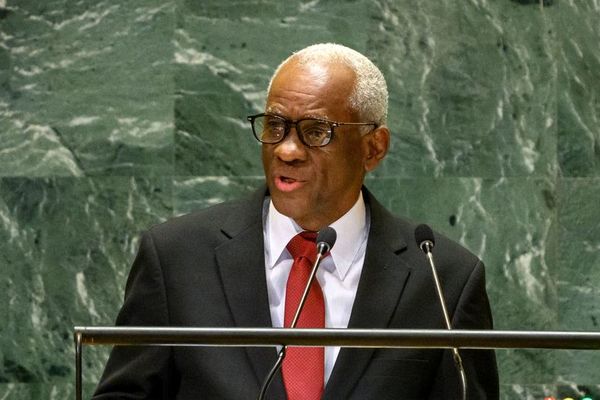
(231, 265)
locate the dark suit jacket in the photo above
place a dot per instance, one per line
(207, 270)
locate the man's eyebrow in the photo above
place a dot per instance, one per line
(315, 116)
(275, 111)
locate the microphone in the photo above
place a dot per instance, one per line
(325, 241)
(426, 242)
(424, 238)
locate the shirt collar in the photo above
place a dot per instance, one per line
(351, 229)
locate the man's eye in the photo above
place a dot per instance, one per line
(315, 131)
(275, 127)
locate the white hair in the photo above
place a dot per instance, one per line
(369, 96)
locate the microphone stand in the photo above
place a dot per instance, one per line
(322, 248)
(426, 246)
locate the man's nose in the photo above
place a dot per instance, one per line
(291, 148)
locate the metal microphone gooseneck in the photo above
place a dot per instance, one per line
(426, 241)
(325, 241)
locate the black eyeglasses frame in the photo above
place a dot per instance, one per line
(289, 123)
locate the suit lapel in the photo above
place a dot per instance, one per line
(242, 267)
(382, 281)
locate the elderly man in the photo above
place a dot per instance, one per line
(237, 264)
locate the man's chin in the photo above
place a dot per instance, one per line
(290, 205)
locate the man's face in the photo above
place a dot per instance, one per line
(314, 185)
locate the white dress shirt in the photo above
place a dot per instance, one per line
(338, 274)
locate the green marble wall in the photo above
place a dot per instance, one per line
(118, 114)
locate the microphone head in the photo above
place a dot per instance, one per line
(424, 238)
(326, 239)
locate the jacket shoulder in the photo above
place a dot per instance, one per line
(213, 221)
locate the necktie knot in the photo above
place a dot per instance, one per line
(303, 245)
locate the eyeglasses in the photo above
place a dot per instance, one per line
(313, 132)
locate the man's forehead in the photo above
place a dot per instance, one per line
(311, 90)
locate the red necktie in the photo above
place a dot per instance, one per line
(303, 367)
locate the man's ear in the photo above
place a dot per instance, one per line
(376, 144)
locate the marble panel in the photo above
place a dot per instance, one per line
(508, 223)
(579, 84)
(88, 88)
(472, 88)
(66, 247)
(225, 55)
(470, 94)
(578, 279)
(192, 194)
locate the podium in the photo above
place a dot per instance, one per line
(361, 338)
